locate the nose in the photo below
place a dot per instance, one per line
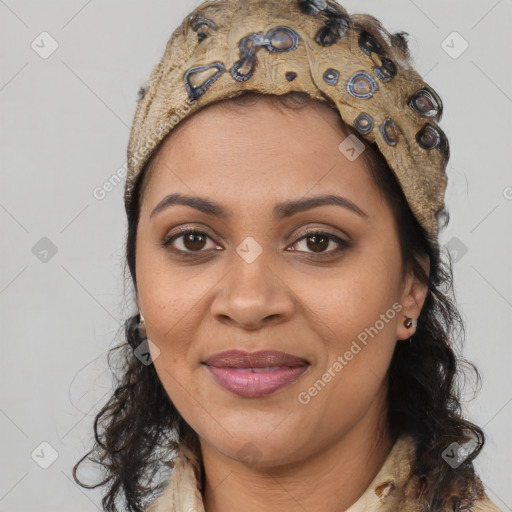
(252, 296)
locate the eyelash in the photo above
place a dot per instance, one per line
(343, 245)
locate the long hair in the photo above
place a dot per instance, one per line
(138, 431)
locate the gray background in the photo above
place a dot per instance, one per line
(64, 130)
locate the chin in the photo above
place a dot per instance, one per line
(257, 445)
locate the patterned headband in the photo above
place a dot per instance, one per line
(226, 47)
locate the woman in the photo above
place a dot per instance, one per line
(293, 345)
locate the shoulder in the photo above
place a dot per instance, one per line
(476, 500)
(460, 494)
(483, 504)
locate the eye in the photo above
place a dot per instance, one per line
(191, 241)
(319, 241)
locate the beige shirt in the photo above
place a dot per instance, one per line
(392, 489)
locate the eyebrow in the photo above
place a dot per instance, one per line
(280, 210)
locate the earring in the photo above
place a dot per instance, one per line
(142, 326)
(408, 322)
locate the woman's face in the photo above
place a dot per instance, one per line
(265, 275)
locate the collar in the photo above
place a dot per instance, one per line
(391, 489)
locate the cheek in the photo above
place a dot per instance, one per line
(169, 295)
(185, 392)
(355, 313)
(352, 299)
(371, 321)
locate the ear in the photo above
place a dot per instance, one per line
(412, 300)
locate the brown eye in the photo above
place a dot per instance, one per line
(317, 242)
(194, 241)
(190, 241)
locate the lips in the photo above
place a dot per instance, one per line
(255, 374)
(261, 359)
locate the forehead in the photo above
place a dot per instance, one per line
(255, 150)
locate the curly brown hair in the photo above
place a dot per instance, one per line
(138, 431)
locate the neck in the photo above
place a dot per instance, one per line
(332, 479)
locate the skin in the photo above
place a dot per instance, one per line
(316, 456)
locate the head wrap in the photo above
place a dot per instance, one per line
(226, 47)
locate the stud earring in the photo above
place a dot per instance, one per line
(142, 326)
(408, 322)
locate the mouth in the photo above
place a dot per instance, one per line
(261, 359)
(255, 374)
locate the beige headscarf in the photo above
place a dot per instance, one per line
(226, 47)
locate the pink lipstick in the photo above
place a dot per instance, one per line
(255, 374)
